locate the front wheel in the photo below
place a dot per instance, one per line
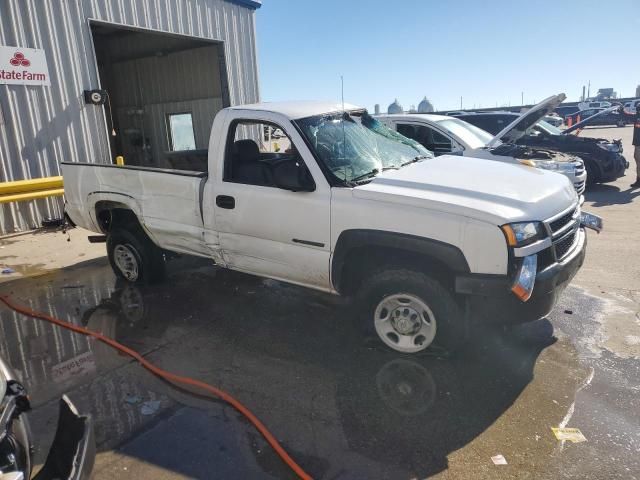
(410, 312)
(134, 257)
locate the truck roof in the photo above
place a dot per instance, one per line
(302, 109)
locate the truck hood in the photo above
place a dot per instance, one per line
(519, 127)
(486, 190)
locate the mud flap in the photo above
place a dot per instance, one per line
(73, 450)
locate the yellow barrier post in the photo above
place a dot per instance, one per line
(33, 185)
(120, 160)
(21, 197)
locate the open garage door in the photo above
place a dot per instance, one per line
(164, 91)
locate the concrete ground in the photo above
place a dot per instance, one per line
(340, 406)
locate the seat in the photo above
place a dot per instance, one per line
(246, 166)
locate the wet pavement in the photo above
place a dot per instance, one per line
(342, 407)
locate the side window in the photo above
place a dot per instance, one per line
(429, 138)
(256, 151)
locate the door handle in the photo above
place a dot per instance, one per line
(225, 201)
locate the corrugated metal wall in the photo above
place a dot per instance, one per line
(42, 126)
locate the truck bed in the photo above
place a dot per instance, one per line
(167, 202)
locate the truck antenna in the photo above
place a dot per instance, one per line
(344, 135)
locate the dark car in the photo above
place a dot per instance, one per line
(613, 117)
(72, 453)
(565, 110)
(603, 158)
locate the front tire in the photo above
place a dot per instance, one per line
(410, 312)
(134, 257)
(592, 176)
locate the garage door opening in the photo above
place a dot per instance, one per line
(164, 91)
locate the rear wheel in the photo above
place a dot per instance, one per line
(134, 257)
(409, 312)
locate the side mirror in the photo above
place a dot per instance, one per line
(292, 174)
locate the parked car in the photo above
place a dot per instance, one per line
(441, 135)
(602, 158)
(630, 109)
(608, 116)
(593, 104)
(72, 453)
(564, 110)
(353, 208)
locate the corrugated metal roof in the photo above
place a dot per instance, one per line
(42, 126)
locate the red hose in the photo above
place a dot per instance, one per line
(171, 377)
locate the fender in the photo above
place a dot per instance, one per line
(127, 201)
(349, 240)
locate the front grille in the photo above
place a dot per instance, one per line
(564, 245)
(579, 169)
(580, 187)
(563, 221)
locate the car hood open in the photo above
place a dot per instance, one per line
(519, 127)
(482, 189)
(588, 120)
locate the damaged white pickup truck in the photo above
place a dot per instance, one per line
(342, 203)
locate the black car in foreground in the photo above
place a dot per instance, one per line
(72, 453)
(602, 158)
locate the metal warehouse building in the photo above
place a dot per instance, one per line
(91, 80)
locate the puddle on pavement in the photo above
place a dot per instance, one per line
(297, 360)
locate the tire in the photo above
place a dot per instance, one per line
(621, 123)
(410, 312)
(134, 257)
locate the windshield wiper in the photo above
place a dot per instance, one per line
(372, 173)
(414, 160)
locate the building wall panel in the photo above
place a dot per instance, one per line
(42, 126)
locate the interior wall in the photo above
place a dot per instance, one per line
(144, 91)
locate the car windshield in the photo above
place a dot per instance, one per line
(473, 136)
(355, 146)
(548, 128)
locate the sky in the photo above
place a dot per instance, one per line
(489, 52)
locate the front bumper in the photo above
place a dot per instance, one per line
(490, 298)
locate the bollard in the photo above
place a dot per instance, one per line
(120, 160)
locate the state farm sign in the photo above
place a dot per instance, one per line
(23, 66)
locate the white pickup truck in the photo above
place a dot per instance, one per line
(346, 205)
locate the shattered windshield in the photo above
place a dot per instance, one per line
(355, 146)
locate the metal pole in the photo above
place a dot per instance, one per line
(460, 102)
(522, 98)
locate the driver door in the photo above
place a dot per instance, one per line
(263, 229)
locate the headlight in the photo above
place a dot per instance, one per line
(525, 278)
(523, 233)
(561, 167)
(610, 147)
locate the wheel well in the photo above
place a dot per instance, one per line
(364, 261)
(109, 214)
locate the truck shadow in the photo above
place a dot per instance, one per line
(603, 195)
(343, 408)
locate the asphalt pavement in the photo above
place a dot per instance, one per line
(342, 407)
